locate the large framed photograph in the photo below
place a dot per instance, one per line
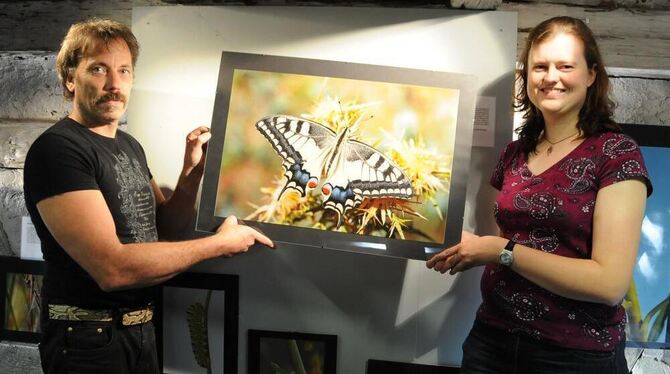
(274, 352)
(648, 300)
(21, 301)
(199, 323)
(339, 155)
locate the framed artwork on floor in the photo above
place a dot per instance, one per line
(278, 352)
(393, 367)
(20, 302)
(198, 321)
(647, 302)
(363, 158)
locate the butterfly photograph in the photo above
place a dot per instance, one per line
(338, 154)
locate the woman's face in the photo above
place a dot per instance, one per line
(558, 77)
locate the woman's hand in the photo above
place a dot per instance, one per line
(473, 250)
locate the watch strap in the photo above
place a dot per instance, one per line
(510, 245)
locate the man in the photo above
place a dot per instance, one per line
(99, 215)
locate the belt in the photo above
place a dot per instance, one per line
(74, 313)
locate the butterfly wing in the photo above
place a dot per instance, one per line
(363, 172)
(302, 145)
(360, 171)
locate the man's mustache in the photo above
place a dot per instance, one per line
(112, 96)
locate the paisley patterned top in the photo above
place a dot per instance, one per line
(553, 212)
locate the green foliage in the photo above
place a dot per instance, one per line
(650, 328)
(631, 303)
(197, 326)
(23, 302)
(660, 315)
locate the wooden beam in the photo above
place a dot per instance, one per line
(628, 39)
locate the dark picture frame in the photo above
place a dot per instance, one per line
(219, 290)
(436, 223)
(283, 348)
(394, 367)
(648, 301)
(13, 268)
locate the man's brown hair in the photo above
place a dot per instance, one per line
(85, 36)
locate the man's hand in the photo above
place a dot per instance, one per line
(175, 214)
(196, 148)
(237, 238)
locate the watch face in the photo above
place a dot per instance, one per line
(506, 258)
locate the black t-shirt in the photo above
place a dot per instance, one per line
(69, 157)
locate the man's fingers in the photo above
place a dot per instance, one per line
(257, 234)
(204, 138)
(260, 237)
(264, 240)
(231, 220)
(193, 135)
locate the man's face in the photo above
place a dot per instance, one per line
(101, 84)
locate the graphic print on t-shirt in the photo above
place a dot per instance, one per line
(136, 198)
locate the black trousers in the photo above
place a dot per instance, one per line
(490, 350)
(76, 347)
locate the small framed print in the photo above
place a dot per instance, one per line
(273, 352)
(393, 367)
(199, 318)
(647, 302)
(21, 301)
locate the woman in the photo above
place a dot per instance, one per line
(570, 208)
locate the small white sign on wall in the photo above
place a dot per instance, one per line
(485, 122)
(30, 243)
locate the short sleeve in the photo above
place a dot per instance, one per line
(55, 165)
(622, 160)
(504, 161)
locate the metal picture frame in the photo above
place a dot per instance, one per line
(241, 166)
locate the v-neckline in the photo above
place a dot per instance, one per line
(552, 166)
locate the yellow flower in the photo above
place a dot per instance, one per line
(428, 171)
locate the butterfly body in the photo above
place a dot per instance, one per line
(350, 169)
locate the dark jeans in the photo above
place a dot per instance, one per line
(490, 350)
(98, 347)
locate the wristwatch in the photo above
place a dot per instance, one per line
(506, 257)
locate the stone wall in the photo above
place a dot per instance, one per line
(641, 100)
(30, 100)
(19, 358)
(632, 33)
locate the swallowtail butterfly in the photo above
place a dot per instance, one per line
(351, 170)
